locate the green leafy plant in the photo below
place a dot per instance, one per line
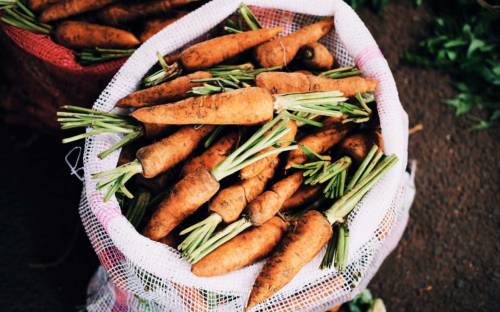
(465, 44)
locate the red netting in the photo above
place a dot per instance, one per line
(43, 75)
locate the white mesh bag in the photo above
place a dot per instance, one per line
(138, 274)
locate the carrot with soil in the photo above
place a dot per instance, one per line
(226, 207)
(282, 50)
(243, 250)
(316, 56)
(67, 8)
(154, 26)
(303, 196)
(195, 189)
(214, 51)
(172, 90)
(151, 160)
(282, 82)
(214, 155)
(37, 5)
(85, 35)
(122, 13)
(311, 234)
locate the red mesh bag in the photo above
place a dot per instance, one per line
(42, 75)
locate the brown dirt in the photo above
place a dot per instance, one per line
(447, 260)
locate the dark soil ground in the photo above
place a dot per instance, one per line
(448, 257)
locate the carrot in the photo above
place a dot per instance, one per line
(122, 13)
(172, 58)
(80, 35)
(187, 196)
(267, 204)
(316, 56)
(356, 146)
(67, 8)
(37, 5)
(154, 130)
(226, 206)
(243, 250)
(255, 168)
(313, 231)
(158, 183)
(216, 50)
(154, 26)
(299, 247)
(214, 155)
(248, 106)
(318, 142)
(281, 51)
(230, 202)
(281, 82)
(304, 195)
(168, 91)
(153, 159)
(166, 153)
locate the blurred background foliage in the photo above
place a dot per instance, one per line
(464, 42)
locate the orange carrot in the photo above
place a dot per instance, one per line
(356, 146)
(247, 106)
(166, 92)
(80, 35)
(67, 8)
(230, 202)
(243, 250)
(154, 26)
(154, 130)
(299, 247)
(281, 82)
(304, 195)
(37, 5)
(122, 13)
(318, 142)
(214, 155)
(216, 50)
(186, 197)
(316, 56)
(267, 204)
(281, 51)
(164, 154)
(255, 168)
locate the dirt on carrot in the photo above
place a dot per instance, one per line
(122, 13)
(316, 56)
(79, 35)
(282, 50)
(152, 27)
(168, 91)
(214, 155)
(247, 106)
(269, 203)
(298, 247)
(166, 153)
(319, 142)
(232, 200)
(243, 250)
(214, 51)
(283, 82)
(67, 8)
(305, 195)
(186, 196)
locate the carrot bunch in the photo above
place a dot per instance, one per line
(99, 30)
(247, 137)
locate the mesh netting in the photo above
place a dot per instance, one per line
(140, 274)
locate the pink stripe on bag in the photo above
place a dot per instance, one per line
(368, 55)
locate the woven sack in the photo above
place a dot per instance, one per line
(139, 274)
